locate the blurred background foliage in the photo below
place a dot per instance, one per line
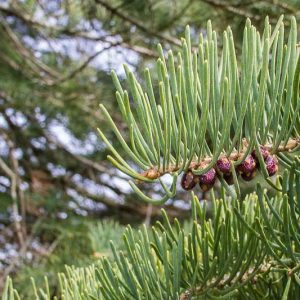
(55, 62)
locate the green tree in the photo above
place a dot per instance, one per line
(52, 76)
(212, 108)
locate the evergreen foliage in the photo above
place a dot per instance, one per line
(209, 105)
(51, 76)
(247, 250)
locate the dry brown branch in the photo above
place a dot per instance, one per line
(141, 209)
(237, 11)
(282, 5)
(10, 11)
(13, 188)
(73, 73)
(141, 27)
(33, 61)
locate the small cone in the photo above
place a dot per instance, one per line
(188, 180)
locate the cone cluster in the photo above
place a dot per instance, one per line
(247, 170)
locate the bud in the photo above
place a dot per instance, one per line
(207, 180)
(271, 165)
(264, 152)
(188, 180)
(228, 177)
(248, 176)
(247, 166)
(223, 164)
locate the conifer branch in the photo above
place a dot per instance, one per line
(205, 105)
(244, 249)
(251, 276)
(154, 173)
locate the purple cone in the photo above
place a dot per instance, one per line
(188, 180)
(223, 164)
(271, 165)
(247, 166)
(207, 180)
(209, 177)
(264, 152)
(228, 177)
(248, 176)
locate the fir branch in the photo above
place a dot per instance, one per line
(207, 106)
(250, 276)
(244, 249)
(154, 173)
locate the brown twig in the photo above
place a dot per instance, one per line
(251, 274)
(136, 23)
(33, 61)
(147, 220)
(232, 9)
(283, 5)
(154, 172)
(83, 65)
(13, 188)
(14, 263)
